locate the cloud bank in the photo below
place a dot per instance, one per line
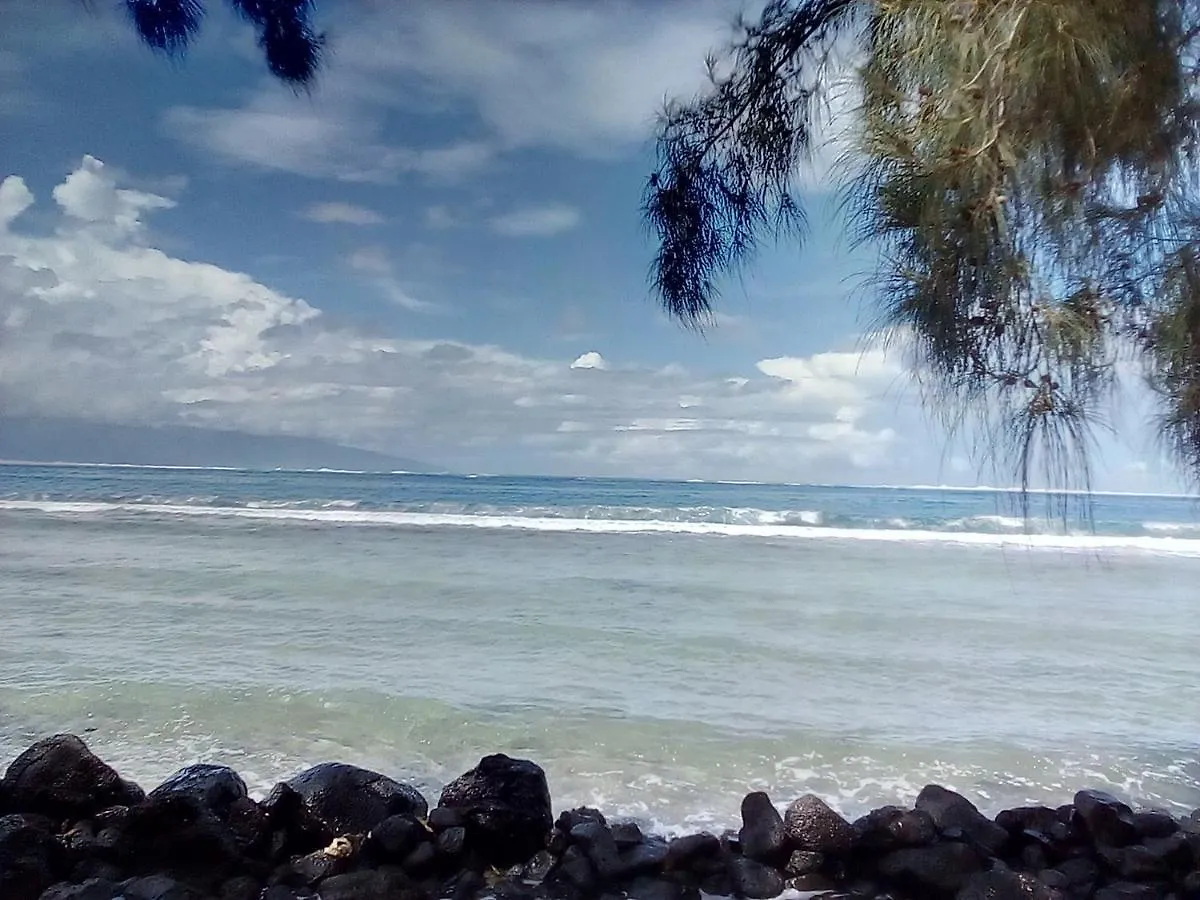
(97, 323)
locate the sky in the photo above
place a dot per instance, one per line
(437, 254)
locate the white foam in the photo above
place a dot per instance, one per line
(1072, 542)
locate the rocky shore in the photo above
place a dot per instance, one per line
(72, 829)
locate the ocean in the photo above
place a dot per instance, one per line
(660, 648)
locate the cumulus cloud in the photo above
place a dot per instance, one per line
(536, 221)
(341, 213)
(97, 323)
(590, 360)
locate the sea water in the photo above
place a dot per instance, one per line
(660, 648)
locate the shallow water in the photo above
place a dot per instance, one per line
(183, 616)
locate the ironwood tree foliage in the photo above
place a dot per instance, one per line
(1025, 170)
(286, 36)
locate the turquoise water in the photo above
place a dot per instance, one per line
(659, 647)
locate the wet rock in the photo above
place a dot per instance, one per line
(596, 840)
(1134, 863)
(350, 800)
(451, 843)
(536, 870)
(214, 787)
(804, 862)
(1002, 884)
(812, 825)
(1033, 820)
(1080, 874)
(30, 858)
(376, 884)
(655, 889)
(505, 804)
(421, 860)
(1125, 891)
(1154, 824)
(754, 880)
(891, 827)
(646, 858)
(313, 868)
(293, 828)
(576, 870)
(762, 835)
(158, 887)
(953, 813)
(90, 889)
(816, 883)
(395, 838)
(1106, 819)
(176, 836)
(940, 870)
(1189, 888)
(243, 887)
(683, 853)
(443, 817)
(569, 818)
(627, 834)
(248, 825)
(61, 778)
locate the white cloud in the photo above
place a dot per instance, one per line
(536, 221)
(587, 78)
(15, 198)
(100, 324)
(341, 213)
(590, 360)
(374, 262)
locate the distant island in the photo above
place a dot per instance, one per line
(57, 440)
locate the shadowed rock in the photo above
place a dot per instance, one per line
(1107, 819)
(30, 857)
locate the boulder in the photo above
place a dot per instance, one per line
(683, 853)
(292, 828)
(1108, 820)
(30, 858)
(575, 869)
(351, 800)
(955, 815)
(91, 889)
(936, 871)
(1126, 891)
(241, 887)
(1003, 884)
(762, 836)
(891, 827)
(158, 887)
(627, 834)
(1030, 820)
(505, 804)
(215, 787)
(810, 824)
(646, 858)
(61, 778)
(804, 862)
(655, 889)
(753, 880)
(175, 835)
(1154, 824)
(377, 884)
(597, 842)
(393, 839)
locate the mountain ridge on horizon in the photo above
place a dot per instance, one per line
(30, 439)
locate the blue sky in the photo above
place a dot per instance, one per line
(437, 254)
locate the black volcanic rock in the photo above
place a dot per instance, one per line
(811, 824)
(763, 836)
(505, 805)
(954, 814)
(1107, 819)
(351, 800)
(216, 788)
(61, 778)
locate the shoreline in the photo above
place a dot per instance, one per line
(71, 828)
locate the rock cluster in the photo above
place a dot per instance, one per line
(72, 829)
